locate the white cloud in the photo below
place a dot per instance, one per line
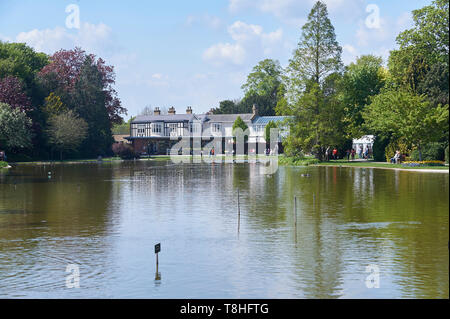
(225, 52)
(250, 40)
(93, 38)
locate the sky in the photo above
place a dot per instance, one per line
(195, 53)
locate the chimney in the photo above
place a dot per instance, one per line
(172, 111)
(189, 110)
(255, 110)
(157, 111)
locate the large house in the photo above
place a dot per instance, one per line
(156, 134)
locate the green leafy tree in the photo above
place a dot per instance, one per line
(123, 128)
(264, 82)
(15, 128)
(362, 79)
(404, 115)
(239, 123)
(269, 126)
(423, 46)
(66, 131)
(311, 85)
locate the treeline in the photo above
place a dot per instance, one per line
(404, 104)
(55, 105)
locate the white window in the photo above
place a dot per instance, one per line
(141, 130)
(216, 127)
(156, 128)
(173, 129)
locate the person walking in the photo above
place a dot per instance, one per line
(347, 153)
(335, 153)
(353, 154)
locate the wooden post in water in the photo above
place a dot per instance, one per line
(239, 212)
(295, 212)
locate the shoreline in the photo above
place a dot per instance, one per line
(427, 170)
(358, 164)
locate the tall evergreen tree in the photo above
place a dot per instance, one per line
(311, 81)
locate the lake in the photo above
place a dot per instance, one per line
(352, 225)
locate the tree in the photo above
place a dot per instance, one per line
(269, 126)
(148, 110)
(12, 93)
(66, 131)
(89, 99)
(21, 61)
(264, 82)
(311, 81)
(402, 114)
(14, 128)
(63, 73)
(227, 107)
(430, 35)
(318, 53)
(421, 47)
(361, 80)
(239, 123)
(53, 105)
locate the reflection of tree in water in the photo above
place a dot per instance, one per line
(63, 219)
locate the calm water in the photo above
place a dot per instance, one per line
(106, 218)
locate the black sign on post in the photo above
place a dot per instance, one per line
(157, 248)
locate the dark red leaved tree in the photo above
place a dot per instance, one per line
(64, 71)
(12, 93)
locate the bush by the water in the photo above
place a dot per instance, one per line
(430, 152)
(3, 164)
(124, 151)
(297, 161)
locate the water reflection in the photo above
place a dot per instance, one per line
(107, 217)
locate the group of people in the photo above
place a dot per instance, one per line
(331, 154)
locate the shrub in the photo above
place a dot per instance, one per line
(124, 151)
(297, 161)
(393, 146)
(430, 152)
(3, 164)
(379, 147)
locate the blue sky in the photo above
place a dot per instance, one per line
(197, 53)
